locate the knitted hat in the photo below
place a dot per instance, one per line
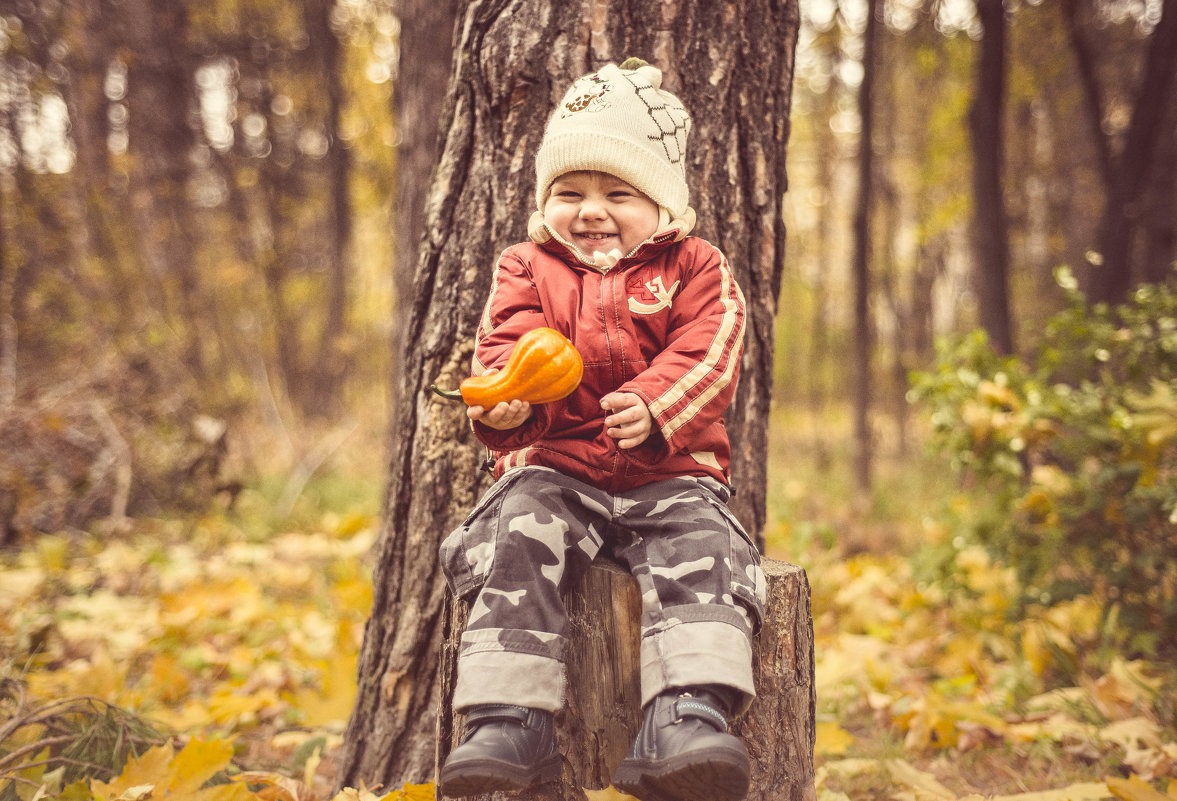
(618, 120)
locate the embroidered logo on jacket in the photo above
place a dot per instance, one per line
(662, 297)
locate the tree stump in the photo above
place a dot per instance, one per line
(603, 711)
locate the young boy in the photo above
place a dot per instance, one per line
(634, 463)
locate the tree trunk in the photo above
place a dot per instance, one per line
(863, 330)
(160, 102)
(603, 712)
(732, 66)
(331, 362)
(1126, 171)
(426, 50)
(990, 221)
(1161, 243)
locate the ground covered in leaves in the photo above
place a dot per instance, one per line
(215, 658)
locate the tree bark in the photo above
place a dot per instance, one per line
(732, 66)
(990, 220)
(603, 713)
(426, 50)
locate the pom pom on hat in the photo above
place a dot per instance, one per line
(620, 121)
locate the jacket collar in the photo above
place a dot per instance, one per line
(669, 231)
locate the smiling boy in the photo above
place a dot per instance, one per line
(632, 464)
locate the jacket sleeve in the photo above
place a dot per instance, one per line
(512, 309)
(689, 385)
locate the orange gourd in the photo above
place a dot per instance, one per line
(543, 367)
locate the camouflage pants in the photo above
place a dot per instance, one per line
(537, 530)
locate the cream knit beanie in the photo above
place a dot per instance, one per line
(618, 120)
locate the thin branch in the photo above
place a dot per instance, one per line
(309, 464)
(9, 758)
(60, 760)
(121, 452)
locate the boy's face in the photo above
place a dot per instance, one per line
(597, 212)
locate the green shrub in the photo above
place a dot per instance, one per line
(1070, 456)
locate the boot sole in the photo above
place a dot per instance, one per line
(716, 776)
(488, 775)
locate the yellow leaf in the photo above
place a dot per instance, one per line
(849, 768)
(610, 793)
(179, 775)
(364, 794)
(277, 786)
(1086, 791)
(335, 698)
(169, 680)
(1132, 733)
(151, 768)
(229, 708)
(312, 765)
(195, 765)
(1136, 789)
(832, 739)
(225, 792)
(1123, 689)
(924, 785)
(420, 792)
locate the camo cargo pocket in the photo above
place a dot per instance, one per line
(748, 584)
(468, 552)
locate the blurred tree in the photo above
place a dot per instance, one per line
(330, 357)
(1127, 151)
(863, 242)
(179, 190)
(990, 225)
(733, 67)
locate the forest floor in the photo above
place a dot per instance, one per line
(237, 634)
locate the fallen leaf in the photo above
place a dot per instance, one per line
(1132, 733)
(419, 792)
(362, 794)
(610, 793)
(277, 786)
(849, 768)
(179, 775)
(1085, 791)
(832, 738)
(1136, 789)
(149, 769)
(925, 785)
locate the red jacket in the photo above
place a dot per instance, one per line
(666, 323)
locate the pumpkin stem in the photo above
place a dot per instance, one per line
(448, 394)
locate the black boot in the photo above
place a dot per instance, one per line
(683, 751)
(504, 747)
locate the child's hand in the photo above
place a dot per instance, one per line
(503, 416)
(630, 422)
